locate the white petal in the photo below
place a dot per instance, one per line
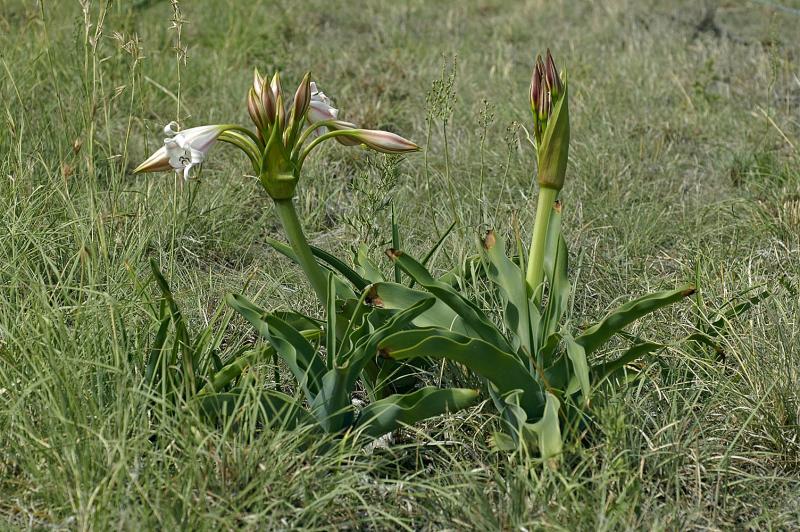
(318, 111)
(197, 156)
(171, 129)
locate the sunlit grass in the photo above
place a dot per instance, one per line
(684, 167)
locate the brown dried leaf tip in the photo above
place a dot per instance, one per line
(489, 240)
(393, 254)
(372, 298)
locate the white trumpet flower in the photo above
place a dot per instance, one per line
(182, 150)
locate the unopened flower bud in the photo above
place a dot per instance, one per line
(551, 75)
(381, 141)
(302, 97)
(255, 109)
(258, 82)
(548, 96)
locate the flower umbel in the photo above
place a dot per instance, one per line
(286, 133)
(285, 126)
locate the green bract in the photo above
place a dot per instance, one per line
(553, 150)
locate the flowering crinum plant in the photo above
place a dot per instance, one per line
(287, 131)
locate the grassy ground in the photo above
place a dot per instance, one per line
(684, 166)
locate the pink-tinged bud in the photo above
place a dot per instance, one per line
(275, 85)
(269, 105)
(381, 141)
(258, 82)
(544, 108)
(536, 84)
(255, 109)
(302, 98)
(278, 114)
(551, 75)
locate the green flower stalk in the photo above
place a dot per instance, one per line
(286, 134)
(549, 105)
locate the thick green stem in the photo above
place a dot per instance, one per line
(547, 196)
(297, 239)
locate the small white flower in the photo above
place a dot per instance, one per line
(182, 156)
(182, 150)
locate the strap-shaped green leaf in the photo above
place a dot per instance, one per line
(394, 296)
(580, 367)
(601, 372)
(331, 406)
(330, 330)
(513, 418)
(398, 410)
(233, 369)
(552, 241)
(331, 261)
(358, 323)
(290, 345)
(428, 256)
(368, 346)
(299, 321)
(548, 431)
(559, 288)
(598, 334)
(366, 267)
(510, 282)
(298, 353)
(471, 314)
(502, 368)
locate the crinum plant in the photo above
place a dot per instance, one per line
(542, 372)
(287, 132)
(285, 136)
